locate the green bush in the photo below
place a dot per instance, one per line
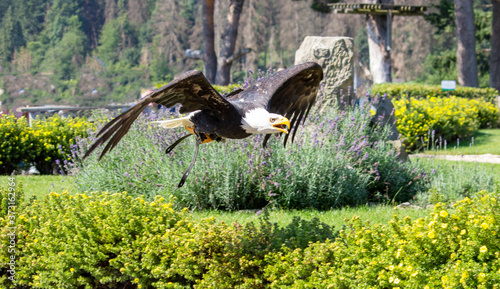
(452, 248)
(451, 181)
(16, 143)
(433, 121)
(11, 195)
(46, 143)
(397, 91)
(335, 161)
(113, 240)
(107, 240)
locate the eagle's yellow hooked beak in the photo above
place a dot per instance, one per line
(282, 125)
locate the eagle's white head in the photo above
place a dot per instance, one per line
(260, 120)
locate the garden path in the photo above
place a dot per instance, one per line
(486, 158)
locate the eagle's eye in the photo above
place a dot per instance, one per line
(272, 119)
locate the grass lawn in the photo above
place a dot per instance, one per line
(375, 214)
(42, 185)
(39, 186)
(494, 169)
(487, 141)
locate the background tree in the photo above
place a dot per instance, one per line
(378, 45)
(466, 44)
(209, 57)
(495, 46)
(11, 36)
(228, 54)
(441, 63)
(94, 52)
(218, 69)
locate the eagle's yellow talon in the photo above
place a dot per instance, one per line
(190, 129)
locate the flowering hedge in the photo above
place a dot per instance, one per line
(455, 247)
(336, 160)
(46, 142)
(397, 91)
(439, 120)
(106, 240)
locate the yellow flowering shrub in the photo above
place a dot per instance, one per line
(42, 143)
(433, 119)
(114, 240)
(16, 143)
(56, 136)
(455, 247)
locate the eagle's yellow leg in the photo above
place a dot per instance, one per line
(205, 138)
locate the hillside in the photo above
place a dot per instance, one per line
(81, 52)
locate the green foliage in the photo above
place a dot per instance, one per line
(63, 14)
(452, 181)
(37, 50)
(441, 63)
(47, 141)
(361, 46)
(65, 57)
(117, 35)
(434, 121)
(335, 161)
(398, 91)
(114, 240)
(224, 90)
(444, 18)
(11, 36)
(31, 14)
(16, 143)
(11, 194)
(451, 248)
(159, 70)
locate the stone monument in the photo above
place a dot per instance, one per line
(336, 57)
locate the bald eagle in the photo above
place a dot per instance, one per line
(274, 104)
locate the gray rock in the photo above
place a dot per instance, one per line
(384, 115)
(336, 57)
(404, 205)
(400, 149)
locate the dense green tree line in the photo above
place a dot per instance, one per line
(91, 52)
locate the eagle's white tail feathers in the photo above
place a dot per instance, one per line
(176, 122)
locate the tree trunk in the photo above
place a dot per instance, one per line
(466, 43)
(378, 45)
(209, 56)
(495, 45)
(227, 55)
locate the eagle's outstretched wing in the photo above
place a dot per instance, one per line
(191, 89)
(290, 92)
